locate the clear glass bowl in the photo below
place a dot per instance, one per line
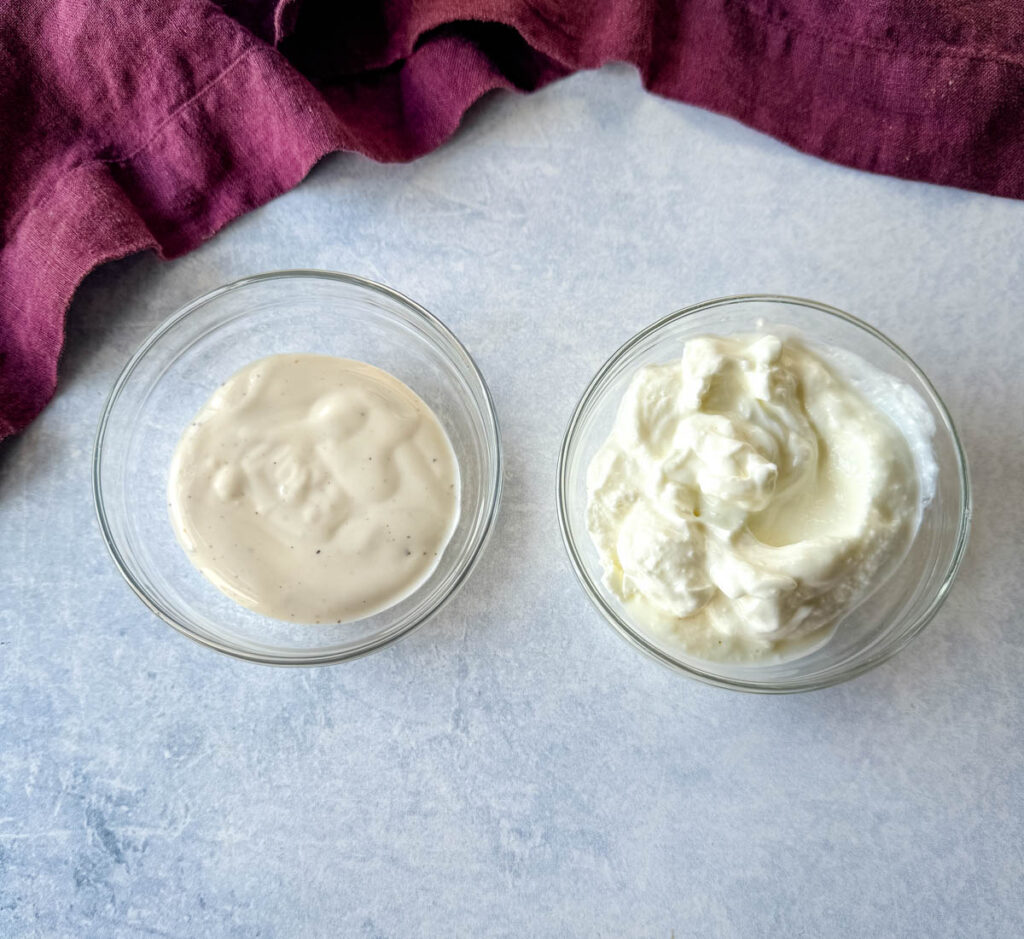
(201, 346)
(873, 631)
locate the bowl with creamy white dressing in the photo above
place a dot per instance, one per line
(298, 468)
(765, 493)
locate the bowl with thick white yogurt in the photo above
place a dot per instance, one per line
(765, 493)
(298, 468)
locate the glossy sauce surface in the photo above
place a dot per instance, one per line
(314, 489)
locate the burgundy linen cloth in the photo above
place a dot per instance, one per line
(133, 124)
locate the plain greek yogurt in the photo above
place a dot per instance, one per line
(754, 491)
(314, 489)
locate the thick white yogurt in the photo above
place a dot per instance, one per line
(314, 489)
(748, 496)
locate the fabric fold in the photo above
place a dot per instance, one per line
(137, 125)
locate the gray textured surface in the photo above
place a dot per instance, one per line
(514, 768)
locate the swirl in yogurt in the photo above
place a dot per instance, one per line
(748, 496)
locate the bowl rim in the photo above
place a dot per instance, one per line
(633, 635)
(493, 483)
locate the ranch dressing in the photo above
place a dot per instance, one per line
(314, 489)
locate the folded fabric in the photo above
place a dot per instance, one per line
(134, 124)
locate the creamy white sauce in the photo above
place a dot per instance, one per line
(748, 495)
(314, 489)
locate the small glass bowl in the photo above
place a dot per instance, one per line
(177, 369)
(890, 617)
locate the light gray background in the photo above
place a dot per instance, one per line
(514, 768)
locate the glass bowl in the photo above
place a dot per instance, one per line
(891, 616)
(201, 346)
